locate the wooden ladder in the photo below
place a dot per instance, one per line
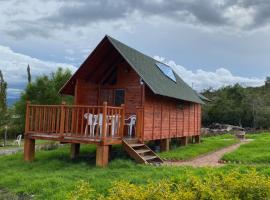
(140, 152)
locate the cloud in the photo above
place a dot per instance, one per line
(13, 66)
(46, 18)
(201, 79)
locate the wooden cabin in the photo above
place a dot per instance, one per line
(114, 85)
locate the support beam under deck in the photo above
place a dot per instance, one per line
(29, 149)
(74, 150)
(102, 155)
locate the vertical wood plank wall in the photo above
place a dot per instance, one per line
(167, 118)
(88, 93)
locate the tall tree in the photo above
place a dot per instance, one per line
(3, 100)
(3, 93)
(29, 74)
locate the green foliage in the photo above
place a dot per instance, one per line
(44, 90)
(234, 185)
(248, 107)
(208, 144)
(3, 99)
(257, 151)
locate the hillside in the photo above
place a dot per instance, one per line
(247, 107)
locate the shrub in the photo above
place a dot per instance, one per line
(234, 185)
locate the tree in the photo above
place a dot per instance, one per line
(29, 74)
(3, 99)
(3, 93)
(43, 90)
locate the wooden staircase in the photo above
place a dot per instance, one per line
(140, 152)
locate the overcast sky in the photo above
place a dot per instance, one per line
(210, 43)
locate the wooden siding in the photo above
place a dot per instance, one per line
(168, 118)
(89, 93)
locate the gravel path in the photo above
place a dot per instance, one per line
(4, 152)
(211, 159)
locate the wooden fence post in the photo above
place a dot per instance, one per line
(104, 121)
(62, 119)
(138, 129)
(122, 120)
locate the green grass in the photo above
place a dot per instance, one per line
(255, 152)
(52, 175)
(208, 144)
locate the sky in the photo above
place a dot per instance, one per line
(209, 43)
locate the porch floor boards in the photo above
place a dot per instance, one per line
(71, 138)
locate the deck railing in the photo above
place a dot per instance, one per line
(97, 122)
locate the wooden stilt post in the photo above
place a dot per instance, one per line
(197, 139)
(102, 155)
(29, 144)
(74, 150)
(184, 141)
(165, 144)
(29, 149)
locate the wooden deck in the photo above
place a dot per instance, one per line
(75, 123)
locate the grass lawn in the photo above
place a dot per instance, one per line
(52, 175)
(255, 152)
(208, 144)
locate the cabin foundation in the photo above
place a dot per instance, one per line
(197, 139)
(165, 144)
(102, 155)
(184, 141)
(29, 149)
(74, 150)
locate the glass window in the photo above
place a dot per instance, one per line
(166, 70)
(119, 97)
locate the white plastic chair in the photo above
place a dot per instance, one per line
(114, 124)
(18, 140)
(91, 122)
(130, 124)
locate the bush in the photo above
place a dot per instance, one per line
(234, 185)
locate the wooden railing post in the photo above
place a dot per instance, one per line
(138, 122)
(104, 120)
(27, 117)
(122, 120)
(62, 119)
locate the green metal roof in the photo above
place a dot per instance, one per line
(159, 83)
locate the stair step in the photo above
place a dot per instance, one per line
(136, 145)
(156, 163)
(149, 157)
(142, 151)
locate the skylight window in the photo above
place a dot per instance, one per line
(166, 70)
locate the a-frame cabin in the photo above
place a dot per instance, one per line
(121, 96)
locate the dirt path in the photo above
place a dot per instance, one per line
(211, 159)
